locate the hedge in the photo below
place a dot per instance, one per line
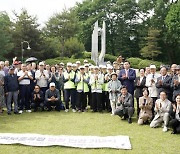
(107, 57)
(142, 63)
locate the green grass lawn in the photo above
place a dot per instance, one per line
(143, 138)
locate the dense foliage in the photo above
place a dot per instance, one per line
(144, 29)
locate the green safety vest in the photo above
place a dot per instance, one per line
(69, 84)
(96, 85)
(82, 85)
(105, 85)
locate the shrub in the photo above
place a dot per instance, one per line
(107, 57)
(110, 58)
(134, 62)
(73, 47)
(142, 63)
(86, 55)
(145, 63)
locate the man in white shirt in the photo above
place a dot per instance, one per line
(151, 80)
(24, 78)
(42, 77)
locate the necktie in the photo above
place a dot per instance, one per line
(153, 76)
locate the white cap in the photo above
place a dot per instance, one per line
(109, 67)
(86, 65)
(85, 61)
(113, 73)
(78, 62)
(108, 62)
(61, 63)
(41, 64)
(69, 64)
(153, 66)
(52, 84)
(74, 65)
(91, 67)
(104, 66)
(81, 67)
(96, 67)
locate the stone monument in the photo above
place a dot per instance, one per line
(94, 48)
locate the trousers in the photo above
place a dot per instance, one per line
(157, 121)
(24, 95)
(70, 94)
(175, 124)
(97, 101)
(12, 95)
(127, 111)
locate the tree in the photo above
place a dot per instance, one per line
(51, 48)
(152, 49)
(6, 44)
(73, 47)
(26, 28)
(120, 17)
(172, 37)
(63, 26)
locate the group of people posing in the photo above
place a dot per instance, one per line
(110, 87)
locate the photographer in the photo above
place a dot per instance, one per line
(37, 99)
(125, 105)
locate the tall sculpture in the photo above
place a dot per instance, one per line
(94, 48)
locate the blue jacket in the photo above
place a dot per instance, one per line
(11, 83)
(129, 82)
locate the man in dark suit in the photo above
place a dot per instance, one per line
(125, 105)
(127, 77)
(175, 83)
(164, 83)
(139, 85)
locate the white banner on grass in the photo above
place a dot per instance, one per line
(116, 142)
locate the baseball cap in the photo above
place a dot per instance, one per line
(69, 64)
(153, 66)
(85, 61)
(11, 67)
(52, 84)
(78, 62)
(81, 67)
(41, 64)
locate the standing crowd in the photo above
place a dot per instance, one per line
(111, 88)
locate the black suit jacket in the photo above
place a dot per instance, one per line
(138, 92)
(166, 86)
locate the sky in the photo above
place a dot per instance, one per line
(43, 9)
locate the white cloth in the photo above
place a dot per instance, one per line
(152, 86)
(42, 80)
(141, 78)
(26, 79)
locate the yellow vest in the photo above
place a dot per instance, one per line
(96, 85)
(69, 84)
(82, 86)
(105, 85)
